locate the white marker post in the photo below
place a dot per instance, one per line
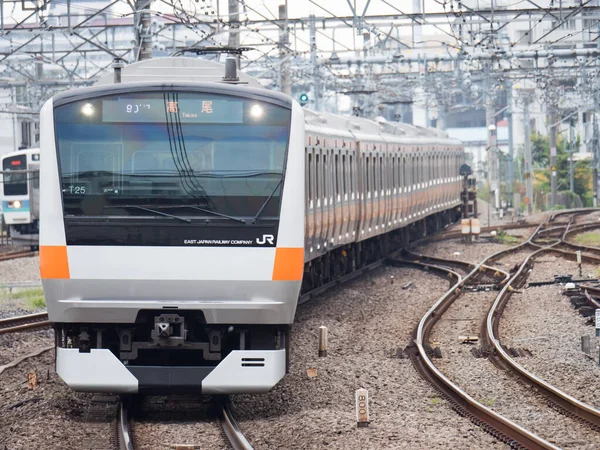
(362, 408)
(598, 322)
(322, 341)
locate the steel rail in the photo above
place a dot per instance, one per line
(559, 397)
(236, 438)
(509, 430)
(24, 323)
(122, 427)
(14, 255)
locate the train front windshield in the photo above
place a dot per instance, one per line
(15, 183)
(173, 152)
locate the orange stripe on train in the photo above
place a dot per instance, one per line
(54, 262)
(289, 264)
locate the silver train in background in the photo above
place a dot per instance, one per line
(21, 196)
(180, 221)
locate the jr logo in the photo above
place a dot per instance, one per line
(265, 238)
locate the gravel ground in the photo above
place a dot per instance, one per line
(472, 253)
(507, 262)
(164, 422)
(369, 322)
(543, 320)
(51, 417)
(547, 265)
(498, 389)
(593, 217)
(20, 269)
(15, 345)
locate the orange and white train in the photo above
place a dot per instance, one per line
(181, 216)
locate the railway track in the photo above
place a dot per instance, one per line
(28, 322)
(420, 351)
(19, 254)
(235, 437)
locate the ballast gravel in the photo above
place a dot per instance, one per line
(20, 270)
(160, 422)
(543, 320)
(497, 389)
(369, 324)
(49, 416)
(458, 250)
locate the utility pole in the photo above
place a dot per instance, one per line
(552, 159)
(314, 62)
(493, 173)
(285, 84)
(571, 151)
(511, 150)
(596, 153)
(527, 168)
(234, 27)
(142, 30)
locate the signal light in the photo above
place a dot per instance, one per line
(303, 99)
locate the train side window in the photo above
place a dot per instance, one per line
(382, 180)
(368, 173)
(325, 177)
(318, 176)
(403, 172)
(309, 177)
(337, 174)
(344, 174)
(351, 173)
(373, 173)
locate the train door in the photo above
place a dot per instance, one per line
(403, 183)
(362, 197)
(327, 197)
(395, 197)
(378, 204)
(338, 211)
(309, 223)
(353, 197)
(319, 200)
(344, 189)
(429, 180)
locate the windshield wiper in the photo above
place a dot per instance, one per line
(264, 205)
(215, 213)
(234, 173)
(183, 219)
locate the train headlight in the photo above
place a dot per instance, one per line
(16, 204)
(87, 110)
(256, 112)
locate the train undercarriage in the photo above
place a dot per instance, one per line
(349, 258)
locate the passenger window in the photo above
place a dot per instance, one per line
(351, 172)
(325, 177)
(382, 181)
(318, 176)
(310, 187)
(337, 175)
(344, 174)
(367, 168)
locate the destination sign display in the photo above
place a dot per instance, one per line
(183, 111)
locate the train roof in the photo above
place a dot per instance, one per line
(359, 127)
(25, 151)
(177, 69)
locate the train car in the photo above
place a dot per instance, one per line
(21, 196)
(180, 221)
